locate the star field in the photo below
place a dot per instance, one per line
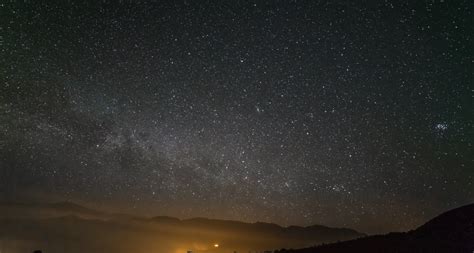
(293, 112)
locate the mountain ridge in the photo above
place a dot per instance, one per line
(54, 227)
(451, 231)
(69, 206)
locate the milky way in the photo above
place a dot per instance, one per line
(294, 112)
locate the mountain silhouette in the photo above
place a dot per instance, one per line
(68, 227)
(450, 232)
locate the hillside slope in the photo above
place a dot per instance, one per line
(452, 231)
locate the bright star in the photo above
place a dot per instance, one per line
(441, 126)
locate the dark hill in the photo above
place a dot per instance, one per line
(452, 231)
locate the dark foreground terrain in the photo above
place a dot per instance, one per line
(450, 232)
(66, 227)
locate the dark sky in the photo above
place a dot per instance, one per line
(294, 112)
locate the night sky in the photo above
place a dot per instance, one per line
(292, 112)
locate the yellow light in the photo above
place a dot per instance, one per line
(216, 245)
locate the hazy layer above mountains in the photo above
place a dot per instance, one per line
(67, 227)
